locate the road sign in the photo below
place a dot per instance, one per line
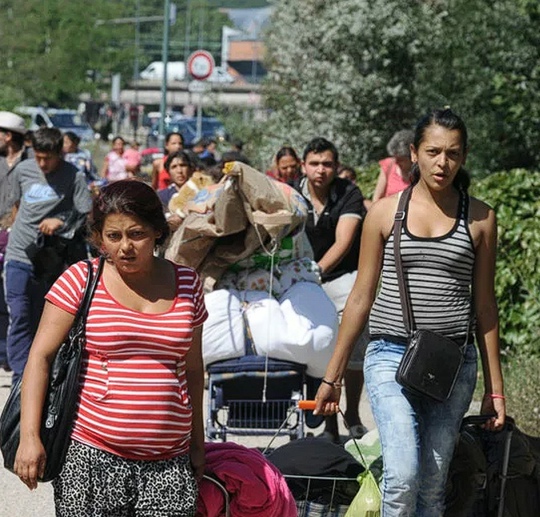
(200, 65)
(198, 86)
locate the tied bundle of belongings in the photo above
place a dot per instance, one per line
(229, 221)
(298, 326)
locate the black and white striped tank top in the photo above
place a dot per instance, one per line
(438, 272)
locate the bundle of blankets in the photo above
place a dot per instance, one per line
(255, 487)
(287, 317)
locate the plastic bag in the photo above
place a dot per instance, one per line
(367, 502)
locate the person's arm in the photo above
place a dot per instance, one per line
(380, 188)
(346, 229)
(377, 227)
(195, 386)
(156, 167)
(487, 319)
(105, 168)
(53, 328)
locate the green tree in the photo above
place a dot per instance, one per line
(52, 52)
(483, 59)
(46, 48)
(357, 70)
(341, 69)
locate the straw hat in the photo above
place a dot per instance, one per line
(12, 122)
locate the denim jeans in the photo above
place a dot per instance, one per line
(4, 320)
(25, 301)
(417, 435)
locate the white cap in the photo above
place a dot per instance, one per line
(12, 122)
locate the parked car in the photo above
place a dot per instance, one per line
(63, 119)
(187, 127)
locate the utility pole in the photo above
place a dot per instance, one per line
(165, 60)
(136, 63)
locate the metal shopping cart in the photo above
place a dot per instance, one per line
(255, 396)
(322, 476)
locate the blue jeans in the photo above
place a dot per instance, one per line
(417, 435)
(4, 320)
(25, 301)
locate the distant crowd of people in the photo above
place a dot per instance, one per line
(145, 325)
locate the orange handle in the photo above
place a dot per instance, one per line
(307, 405)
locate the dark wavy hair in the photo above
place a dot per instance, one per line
(448, 119)
(183, 155)
(320, 145)
(131, 197)
(286, 150)
(168, 136)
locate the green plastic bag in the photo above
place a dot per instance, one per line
(367, 502)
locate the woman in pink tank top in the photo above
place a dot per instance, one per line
(394, 176)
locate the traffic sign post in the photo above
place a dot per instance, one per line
(200, 66)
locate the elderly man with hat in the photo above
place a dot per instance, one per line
(12, 151)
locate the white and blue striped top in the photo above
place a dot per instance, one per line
(438, 273)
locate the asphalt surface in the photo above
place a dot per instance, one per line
(17, 500)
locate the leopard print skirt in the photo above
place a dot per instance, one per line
(94, 483)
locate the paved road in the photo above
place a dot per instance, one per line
(17, 500)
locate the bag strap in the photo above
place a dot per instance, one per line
(398, 225)
(89, 290)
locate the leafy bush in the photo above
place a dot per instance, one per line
(515, 197)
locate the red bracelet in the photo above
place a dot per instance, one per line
(497, 396)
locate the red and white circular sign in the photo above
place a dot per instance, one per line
(200, 65)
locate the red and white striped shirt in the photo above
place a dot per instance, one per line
(134, 400)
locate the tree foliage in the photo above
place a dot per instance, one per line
(515, 197)
(341, 69)
(357, 70)
(46, 48)
(51, 52)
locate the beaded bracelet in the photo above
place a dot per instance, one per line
(497, 396)
(335, 385)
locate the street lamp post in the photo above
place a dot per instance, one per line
(136, 63)
(165, 60)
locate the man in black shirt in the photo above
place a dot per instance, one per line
(336, 212)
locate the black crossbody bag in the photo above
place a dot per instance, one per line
(431, 362)
(62, 394)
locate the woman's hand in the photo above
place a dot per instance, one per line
(30, 462)
(494, 406)
(198, 462)
(327, 400)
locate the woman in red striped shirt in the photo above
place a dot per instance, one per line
(137, 445)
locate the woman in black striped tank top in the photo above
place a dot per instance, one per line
(448, 248)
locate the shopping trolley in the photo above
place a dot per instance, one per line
(255, 396)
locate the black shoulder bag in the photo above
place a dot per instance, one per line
(61, 398)
(431, 362)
